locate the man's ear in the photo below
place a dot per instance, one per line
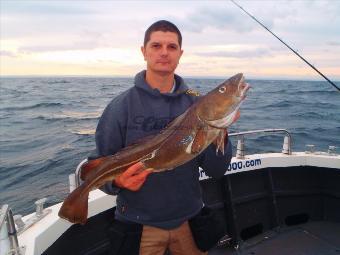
(143, 51)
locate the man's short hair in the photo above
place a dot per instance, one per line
(164, 26)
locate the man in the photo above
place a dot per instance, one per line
(161, 202)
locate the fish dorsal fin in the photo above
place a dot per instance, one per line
(221, 140)
(199, 141)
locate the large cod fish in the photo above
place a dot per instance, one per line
(189, 134)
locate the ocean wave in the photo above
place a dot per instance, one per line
(80, 115)
(281, 104)
(280, 91)
(325, 92)
(315, 115)
(84, 131)
(12, 92)
(34, 170)
(299, 103)
(70, 115)
(58, 81)
(113, 86)
(29, 107)
(317, 104)
(299, 92)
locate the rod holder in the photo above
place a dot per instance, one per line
(286, 149)
(331, 150)
(310, 148)
(240, 148)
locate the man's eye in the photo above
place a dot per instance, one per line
(173, 47)
(155, 46)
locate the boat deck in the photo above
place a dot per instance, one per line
(312, 238)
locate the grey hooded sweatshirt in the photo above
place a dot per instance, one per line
(168, 198)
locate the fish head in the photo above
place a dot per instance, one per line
(219, 107)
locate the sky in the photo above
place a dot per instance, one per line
(103, 38)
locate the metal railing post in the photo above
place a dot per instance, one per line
(78, 181)
(240, 148)
(5, 245)
(12, 234)
(8, 233)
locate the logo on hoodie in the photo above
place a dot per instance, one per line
(192, 93)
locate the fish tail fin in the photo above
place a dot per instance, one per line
(75, 206)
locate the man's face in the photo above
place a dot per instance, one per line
(162, 52)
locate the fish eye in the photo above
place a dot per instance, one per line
(222, 89)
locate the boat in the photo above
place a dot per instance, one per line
(271, 203)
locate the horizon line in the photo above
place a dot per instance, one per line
(184, 76)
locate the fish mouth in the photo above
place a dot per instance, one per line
(243, 87)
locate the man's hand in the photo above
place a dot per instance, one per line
(133, 178)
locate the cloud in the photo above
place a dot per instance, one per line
(83, 32)
(80, 45)
(45, 8)
(256, 53)
(218, 18)
(226, 16)
(6, 53)
(334, 43)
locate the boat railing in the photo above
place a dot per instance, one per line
(240, 152)
(8, 234)
(75, 179)
(12, 226)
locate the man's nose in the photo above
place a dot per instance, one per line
(164, 51)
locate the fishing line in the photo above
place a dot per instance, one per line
(315, 69)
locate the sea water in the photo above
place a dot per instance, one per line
(47, 126)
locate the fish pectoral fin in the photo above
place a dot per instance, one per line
(221, 140)
(199, 141)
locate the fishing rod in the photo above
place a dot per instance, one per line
(332, 83)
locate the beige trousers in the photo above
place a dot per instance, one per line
(179, 241)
